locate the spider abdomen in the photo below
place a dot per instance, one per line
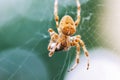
(67, 25)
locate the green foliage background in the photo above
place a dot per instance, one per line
(24, 40)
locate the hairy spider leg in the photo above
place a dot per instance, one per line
(85, 52)
(78, 13)
(77, 55)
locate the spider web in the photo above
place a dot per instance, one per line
(26, 33)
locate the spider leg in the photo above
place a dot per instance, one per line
(85, 51)
(53, 49)
(77, 55)
(56, 17)
(51, 32)
(49, 45)
(78, 13)
(53, 41)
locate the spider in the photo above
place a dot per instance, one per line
(63, 40)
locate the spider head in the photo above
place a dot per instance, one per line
(67, 26)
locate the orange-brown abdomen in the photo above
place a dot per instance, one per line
(67, 26)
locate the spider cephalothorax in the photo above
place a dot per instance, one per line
(63, 40)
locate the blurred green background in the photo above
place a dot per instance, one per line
(24, 37)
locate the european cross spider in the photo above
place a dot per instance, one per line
(63, 40)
